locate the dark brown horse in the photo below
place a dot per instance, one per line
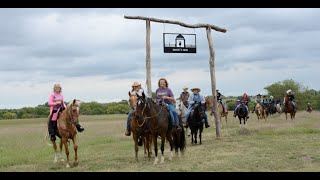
(242, 112)
(289, 107)
(196, 119)
(67, 122)
(157, 119)
(179, 138)
(139, 129)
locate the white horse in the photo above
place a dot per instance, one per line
(279, 108)
(182, 110)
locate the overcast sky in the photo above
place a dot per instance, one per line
(96, 54)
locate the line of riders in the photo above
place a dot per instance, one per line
(165, 97)
(264, 102)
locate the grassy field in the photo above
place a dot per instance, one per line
(277, 145)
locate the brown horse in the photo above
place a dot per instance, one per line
(260, 111)
(139, 129)
(66, 123)
(157, 119)
(289, 107)
(209, 102)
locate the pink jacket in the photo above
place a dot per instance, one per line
(52, 100)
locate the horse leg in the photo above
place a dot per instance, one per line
(75, 147)
(195, 137)
(55, 151)
(286, 115)
(144, 146)
(192, 134)
(60, 155)
(136, 148)
(200, 136)
(169, 138)
(155, 150)
(67, 151)
(148, 145)
(163, 138)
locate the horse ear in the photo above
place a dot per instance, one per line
(74, 101)
(129, 93)
(143, 95)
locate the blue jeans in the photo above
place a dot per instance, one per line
(129, 119)
(188, 114)
(173, 114)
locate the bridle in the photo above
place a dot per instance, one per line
(142, 112)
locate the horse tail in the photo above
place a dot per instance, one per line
(182, 140)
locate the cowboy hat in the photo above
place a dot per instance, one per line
(195, 89)
(259, 95)
(136, 83)
(185, 87)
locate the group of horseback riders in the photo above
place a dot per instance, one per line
(264, 101)
(165, 96)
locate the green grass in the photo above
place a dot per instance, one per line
(277, 145)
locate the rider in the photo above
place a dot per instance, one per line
(56, 103)
(236, 107)
(245, 100)
(291, 98)
(136, 89)
(271, 100)
(278, 101)
(258, 100)
(194, 98)
(265, 101)
(219, 98)
(309, 106)
(164, 94)
(184, 96)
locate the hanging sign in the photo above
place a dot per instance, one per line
(179, 43)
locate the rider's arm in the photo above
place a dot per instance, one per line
(190, 99)
(51, 100)
(203, 100)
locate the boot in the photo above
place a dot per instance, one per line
(139, 141)
(207, 124)
(52, 137)
(79, 128)
(128, 132)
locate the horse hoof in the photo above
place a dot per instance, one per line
(162, 161)
(62, 160)
(75, 163)
(67, 166)
(155, 163)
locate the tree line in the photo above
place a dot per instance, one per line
(303, 96)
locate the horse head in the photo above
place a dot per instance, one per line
(74, 111)
(133, 100)
(141, 104)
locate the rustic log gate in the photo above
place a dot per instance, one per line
(211, 61)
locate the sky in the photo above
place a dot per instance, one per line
(96, 54)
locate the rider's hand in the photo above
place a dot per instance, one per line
(58, 102)
(165, 97)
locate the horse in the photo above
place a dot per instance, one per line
(272, 109)
(66, 124)
(266, 109)
(242, 112)
(182, 111)
(309, 109)
(195, 120)
(260, 111)
(289, 107)
(209, 102)
(157, 119)
(279, 108)
(139, 130)
(179, 138)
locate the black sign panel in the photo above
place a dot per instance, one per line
(179, 43)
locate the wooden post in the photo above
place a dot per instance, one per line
(213, 84)
(148, 58)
